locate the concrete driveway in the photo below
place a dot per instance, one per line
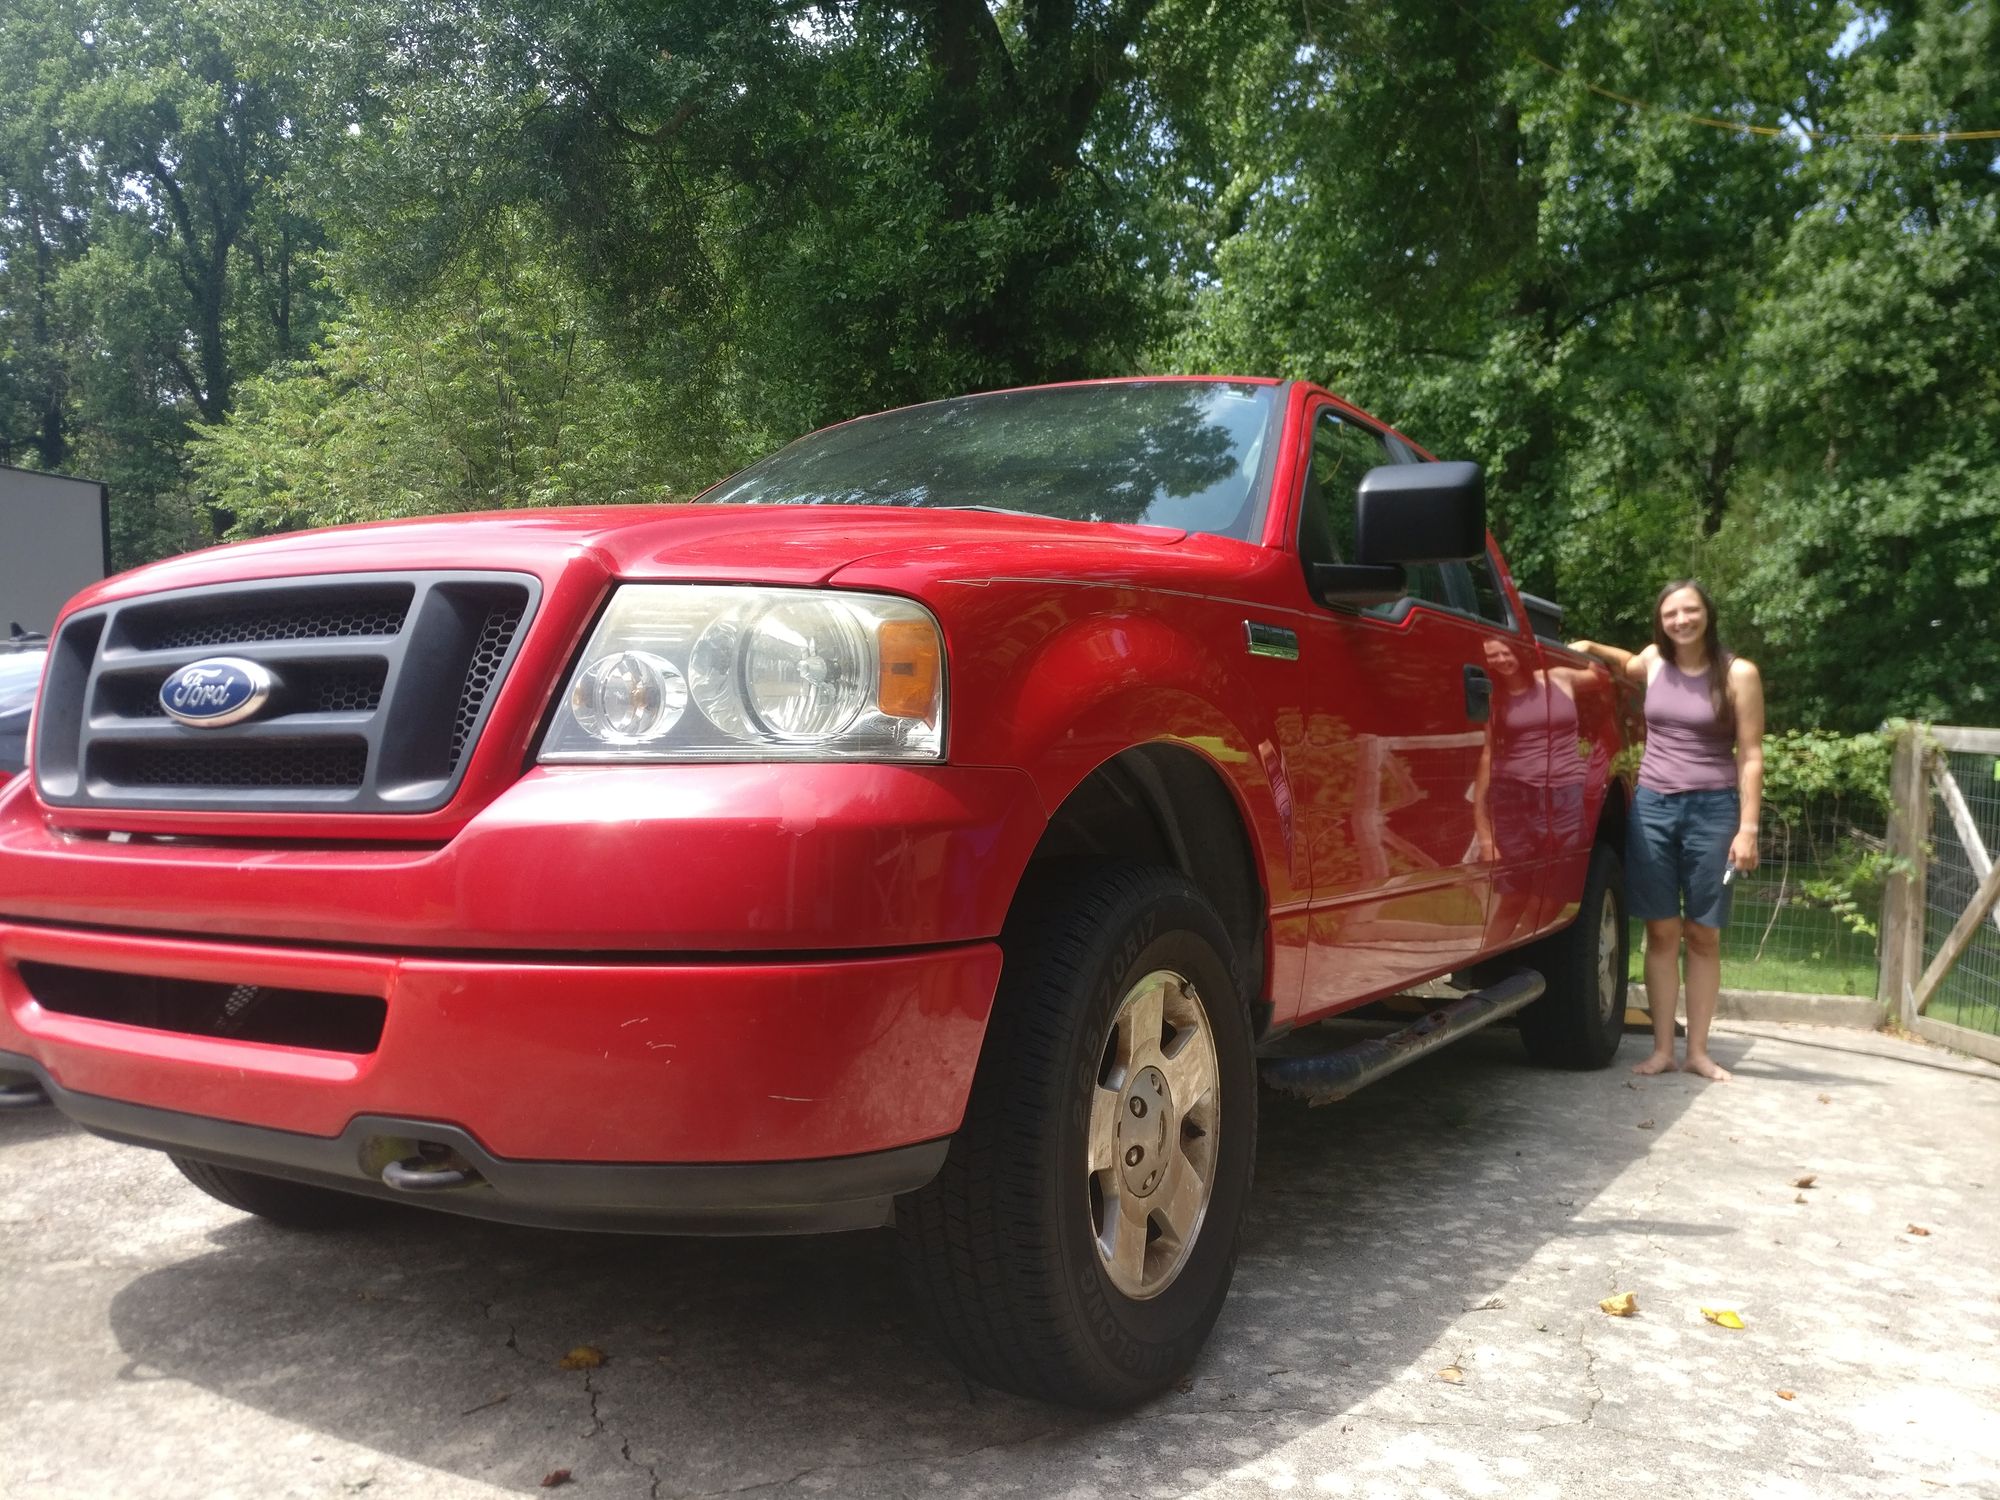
(1465, 1216)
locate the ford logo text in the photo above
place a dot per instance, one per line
(217, 691)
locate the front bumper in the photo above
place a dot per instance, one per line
(849, 1192)
(641, 1084)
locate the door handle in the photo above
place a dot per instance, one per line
(1478, 694)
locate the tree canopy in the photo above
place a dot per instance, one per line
(1654, 264)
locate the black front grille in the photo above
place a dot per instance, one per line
(380, 688)
(330, 616)
(242, 1012)
(336, 689)
(489, 654)
(265, 765)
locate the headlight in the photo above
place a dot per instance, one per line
(698, 672)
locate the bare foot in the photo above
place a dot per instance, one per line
(1659, 1062)
(1708, 1067)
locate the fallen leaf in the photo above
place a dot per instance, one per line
(1826, 1098)
(1184, 1384)
(1624, 1305)
(1491, 1304)
(1630, 1084)
(1918, 1230)
(1806, 1181)
(1722, 1317)
(1643, 1125)
(555, 1477)
(582, 1357)
(1800, 1198)
(1452, 1375)
(1788, 1395)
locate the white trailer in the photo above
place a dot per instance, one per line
(55, 538)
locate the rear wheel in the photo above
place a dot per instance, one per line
(296, 1205)
(1580, 1019)
(1079, 1242)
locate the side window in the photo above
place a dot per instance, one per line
(1490, 600)
(1341, 453)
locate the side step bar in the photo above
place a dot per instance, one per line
(1329, 1076)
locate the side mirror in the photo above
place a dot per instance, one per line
(1420, 513)
(1358, 583)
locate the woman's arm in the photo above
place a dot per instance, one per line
(1631, 665)
(1746, 696)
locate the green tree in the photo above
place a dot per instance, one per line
(496, 388)
(1868, 535)
(1445, 222)
(151, 259)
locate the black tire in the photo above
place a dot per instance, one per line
(295, 1205)
(1580, 1019)
(1003, 1247)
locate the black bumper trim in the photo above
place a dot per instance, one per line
(783, 1197)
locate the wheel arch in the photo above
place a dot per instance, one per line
(1612, 817)
(1167, 804)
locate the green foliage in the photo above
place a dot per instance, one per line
(1803, 768)
(1826, 804)
(495, 389)
(150, 259)
(262, 267)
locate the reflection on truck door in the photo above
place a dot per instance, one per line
(1389, 758)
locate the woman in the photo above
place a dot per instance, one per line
(1694, 816)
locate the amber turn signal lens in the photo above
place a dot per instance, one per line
(908, 684)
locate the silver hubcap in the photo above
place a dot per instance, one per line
(1153, 1134)
(1609, 981)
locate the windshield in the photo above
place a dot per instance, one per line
(1187, 454)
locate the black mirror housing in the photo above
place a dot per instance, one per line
(1420, 513)
(1357, 583)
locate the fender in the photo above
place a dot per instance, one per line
(1077, 675)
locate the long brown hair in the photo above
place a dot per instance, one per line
(1711, 643)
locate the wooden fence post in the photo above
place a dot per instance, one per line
(1902, 961)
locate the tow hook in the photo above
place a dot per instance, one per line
(428, 1174)
(20, 1094)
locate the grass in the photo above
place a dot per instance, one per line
(1809, 951)
(1957, 1010)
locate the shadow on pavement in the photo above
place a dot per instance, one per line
(1375, 1224)
(43, 1121)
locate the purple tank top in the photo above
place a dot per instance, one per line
(1686, 750)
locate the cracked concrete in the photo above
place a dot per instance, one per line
(1469, 1212)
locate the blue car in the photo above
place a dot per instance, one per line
(21, 658)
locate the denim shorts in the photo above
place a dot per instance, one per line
(1676, 849)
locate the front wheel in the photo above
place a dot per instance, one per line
(1580, 1019)
(1079, 1242)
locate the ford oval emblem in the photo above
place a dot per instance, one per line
(217, 691)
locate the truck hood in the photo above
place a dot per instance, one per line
(798, 545)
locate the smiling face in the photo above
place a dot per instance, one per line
(1683, 618)
(1502, 659)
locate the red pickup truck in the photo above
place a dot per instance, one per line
(940, 824)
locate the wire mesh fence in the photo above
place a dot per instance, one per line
(1806, 920)
(1970, 993)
